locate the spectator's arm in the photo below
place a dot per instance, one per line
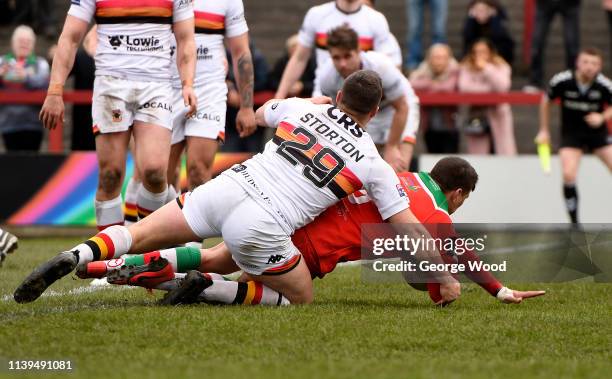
(499, 77)
(420, 81)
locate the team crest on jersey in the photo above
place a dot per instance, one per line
(117, 117)
(413, 188)
(400, 190)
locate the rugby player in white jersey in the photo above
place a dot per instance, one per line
(319, 155)
(201, 134)
(395, 126)
(371, 26)
(132, 91)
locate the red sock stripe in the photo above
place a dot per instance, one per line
(102, 227)
(110, 246)
(152, 256)
(258, 293)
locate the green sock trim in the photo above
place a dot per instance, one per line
(187, 258)
(136, 260)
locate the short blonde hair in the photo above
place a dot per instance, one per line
(23, 29)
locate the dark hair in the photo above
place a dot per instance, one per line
(343, 37)
(362, 91)
(593, 51)
(453, 172)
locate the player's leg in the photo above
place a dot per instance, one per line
(605, 154)
(200, 157)
(174, 162)
(111, 151)
(165, 227)
(570, 161)
(204, 131)
(152, 135)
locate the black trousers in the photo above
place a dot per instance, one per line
(545, 13)
(27, 140)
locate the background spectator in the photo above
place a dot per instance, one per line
(438, 10)
(438, 73)
(487, 19)
(38, 13)
(83, 73)
(607, 4)
(21, 70)
(304, 86)
(254, 142)
(545, 13)
(484, 71)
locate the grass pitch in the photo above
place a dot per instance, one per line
(352, 330)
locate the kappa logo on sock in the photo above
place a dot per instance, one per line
(115, 262)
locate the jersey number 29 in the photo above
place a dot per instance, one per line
(314, 160)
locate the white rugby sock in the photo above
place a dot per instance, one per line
(108, 212)
(149, 202)
(172, 194)
(111, 243)
(249, 293)
(130, 209)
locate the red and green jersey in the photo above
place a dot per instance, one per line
(335, 235)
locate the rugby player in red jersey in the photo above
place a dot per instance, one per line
(333, 237)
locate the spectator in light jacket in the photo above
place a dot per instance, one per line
(484, 71)
(438, 74)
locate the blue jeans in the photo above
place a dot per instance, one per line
(415, 14)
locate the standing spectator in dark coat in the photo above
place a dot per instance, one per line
(83, 71)
(487, 20)
(545, 13)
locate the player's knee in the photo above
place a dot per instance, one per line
(198, 174)
(110, 179)
(154, 176)
(303, 297)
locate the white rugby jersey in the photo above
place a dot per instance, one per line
(134, 36)
(318, 156)
(371, 27)
(394, 83)
(214, 20)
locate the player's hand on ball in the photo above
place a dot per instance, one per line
(52, 112)
(510, 296)
(450, 291)
(245, 122)
(190, 100)
(595, 120)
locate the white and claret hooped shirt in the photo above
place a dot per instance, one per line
(214, 20)
(134, 36)
(318, 156)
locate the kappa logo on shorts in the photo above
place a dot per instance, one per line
(275, 258)
(117, 116)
